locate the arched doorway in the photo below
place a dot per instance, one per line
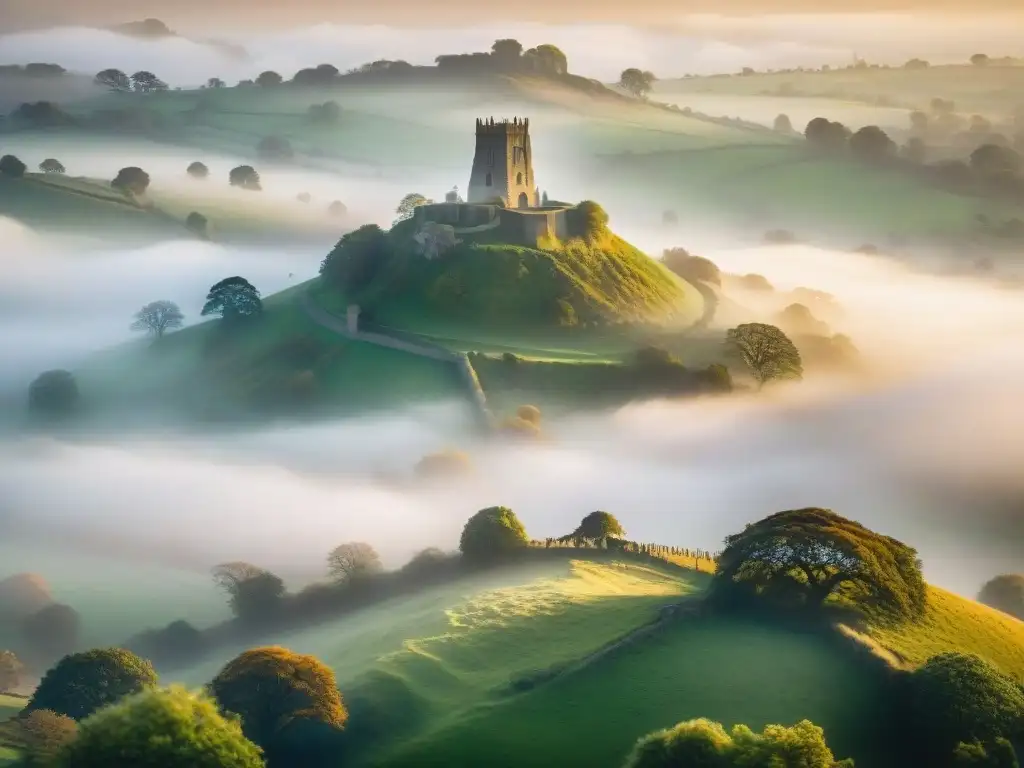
(524, 200)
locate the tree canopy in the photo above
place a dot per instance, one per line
(42, 734)
(170, 728)
(82, 683)
(269, 78)
(768, 353)
(804, 557)
(233, 298)
(114, 79)
(245, 177)
(1005, 593)
(637, 81)
(253, 592)
(408, 204)
(52, 165)
(157, 317)
(352, 560)
(591, 220)
(53, 394)
(491, 534)
(197, 170)
(13, 167)
(131, 179)
(599, 525)
(826, 134)
(872, 143)
(691, 268)
(356, 258)
(271, 688)
(706, 744)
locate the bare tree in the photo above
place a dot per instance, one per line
(352, 560)
(158, 316)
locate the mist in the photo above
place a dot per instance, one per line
(927, 449)
(698, 44)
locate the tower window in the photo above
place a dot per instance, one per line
(490, 160)
(519, 178)
(487, 180)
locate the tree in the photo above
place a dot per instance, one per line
(198, 223)
(993, 160)
(915, 150)
(591, 220)
(254, 594)
(274, 689)
(783, 124)
(352, 561)
(507, 52)
(233, 298)
(52, 165)
(957, 697)
(337, 208)
(215, 82)
(636, 81)
(1005, 593)
(599, 526)
(53, 394)
(766, 351)
(825, 134)
(197, 170)
(131, 179)
(157, 317)
(11, 671)
(170, 728)
(691, 268)
(549, 59)
(408, 204)
(147, 82)
(980, 60)
(998, 753)
(275, 148)
(916, 64)
(82, 683)
(42, 734)
(269, 79)
(872, 143)
(492, 534)
(11, 166)
(246, 177)
(804, 557)
(114, 79)
(706, 744)
(919, 122)
(356, 259)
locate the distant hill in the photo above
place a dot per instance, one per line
(155, 29)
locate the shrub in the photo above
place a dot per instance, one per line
(81, 683)
(11, 671)
(51, 165)
(53, 394)
(1005, 593)
(42, 734)
(197, 170)
(52, 631)
(12, 166)
(131, 179)
(956, 697)
(169, 728)
(273, 689)
(492, 534)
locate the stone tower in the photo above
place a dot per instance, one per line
(503, 164)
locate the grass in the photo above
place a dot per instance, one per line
(10, 706)
(953, 623)
(726, 670)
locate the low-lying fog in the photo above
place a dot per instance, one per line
(928, 451)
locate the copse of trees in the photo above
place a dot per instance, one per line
(802, 558)
(706, 744)
(53, 394)
(269, 79)
(318, 76)
(492, 534)
(12, 167)
(282, 697)
(131, 179)
(82, 683)
(157, 317)
(766, 351)
(638, 82)
(170, 728)
(233, 299)
(1005, 593)
(245, 177)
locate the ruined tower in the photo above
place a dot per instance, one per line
(503, 164)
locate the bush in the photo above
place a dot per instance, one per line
(53, 394)
(131, 179)
(245, 177)
(42, 734)
(197, 170)
(12, 166)
(169, 728)
(52, 632)
(706, 744)
(273, 689)
(492, 534)
(52, 165)
(81, 683)
(1005, 593)
(956, 697)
